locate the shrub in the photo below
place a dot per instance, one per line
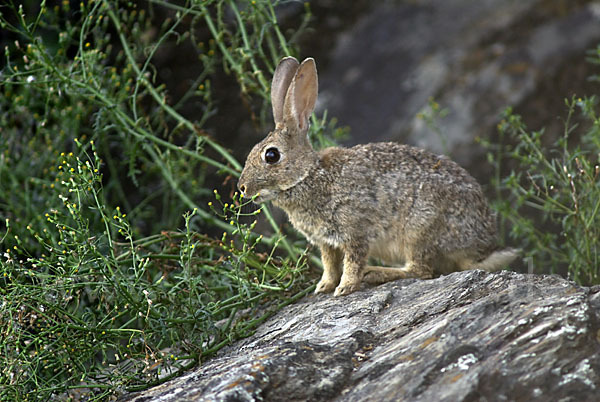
(112, 277)
(551, 199)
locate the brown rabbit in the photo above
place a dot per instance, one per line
(394, 202)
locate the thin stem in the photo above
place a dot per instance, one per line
(152, 90)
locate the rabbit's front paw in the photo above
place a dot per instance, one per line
(325, 286)
(346, 287)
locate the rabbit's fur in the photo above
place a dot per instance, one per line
(397, 203)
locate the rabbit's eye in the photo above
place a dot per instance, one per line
(272, 156)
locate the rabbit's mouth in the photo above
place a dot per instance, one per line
(264, 195)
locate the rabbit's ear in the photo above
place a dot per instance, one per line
(302, 94)
(282, 78)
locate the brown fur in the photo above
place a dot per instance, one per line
(397, 203)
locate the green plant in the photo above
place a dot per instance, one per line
(111, 312)
(552, 200)
(431, 115)
(104, 287)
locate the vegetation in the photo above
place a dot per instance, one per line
(120, 265)
(551, 199)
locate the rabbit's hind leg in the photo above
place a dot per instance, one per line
(376, 275)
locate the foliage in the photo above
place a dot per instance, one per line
(431, 115)
(100, 292)
(551, 199)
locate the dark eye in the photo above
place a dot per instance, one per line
(272, 156)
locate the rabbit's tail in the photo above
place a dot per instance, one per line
(498, 260)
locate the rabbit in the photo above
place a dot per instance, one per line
(397, 203)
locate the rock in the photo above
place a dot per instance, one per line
(468, 336)
(474, 58)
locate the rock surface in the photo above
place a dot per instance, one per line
(468, 336)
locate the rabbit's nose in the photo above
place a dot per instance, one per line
(242, 188)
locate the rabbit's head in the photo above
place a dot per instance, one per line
(285, 157)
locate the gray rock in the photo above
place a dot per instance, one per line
(474, 57)
(468, 336)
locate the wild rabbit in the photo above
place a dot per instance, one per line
(394, 202)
